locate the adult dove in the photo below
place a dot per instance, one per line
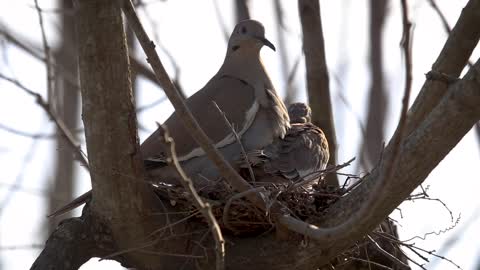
(243, 91)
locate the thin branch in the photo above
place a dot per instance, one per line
(315, 175)
(237, 138)
(80, 155)
(442, 17)
(387, 254)
(221, 21)
(136, 65)
(27, 134)
(381, 266)
(203, 207)
(46, 49)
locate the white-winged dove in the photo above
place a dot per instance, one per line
(302, 152)
(243, 91)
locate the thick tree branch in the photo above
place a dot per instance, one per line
(454, 56)
(120, 196)
(317, 76)
(241, 10)
(418, 155)
(73, 243)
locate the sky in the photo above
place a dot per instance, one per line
(193, 37)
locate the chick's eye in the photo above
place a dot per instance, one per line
(243, 30)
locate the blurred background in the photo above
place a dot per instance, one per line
(39, 173)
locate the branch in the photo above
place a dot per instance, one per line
(452, 59)
(241, 10)
(73, 243)
(26, 47)
(46, 50)
(317, 76)
(204, 208)
(444, 127)
(120, 197)
(58, 122)
(377, 101)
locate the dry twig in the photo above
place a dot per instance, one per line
(242, 149)
(81, 156)
(203, 207)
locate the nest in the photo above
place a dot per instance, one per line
(235, 214)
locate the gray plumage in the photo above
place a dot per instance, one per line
(244, 92)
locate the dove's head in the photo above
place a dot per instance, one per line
(300, 113)
(248, 34)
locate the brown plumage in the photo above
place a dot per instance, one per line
(302, 152)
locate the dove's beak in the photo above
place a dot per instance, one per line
(266, 42)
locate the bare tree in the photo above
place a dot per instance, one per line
(377, 102)
(118, 222)
(67, 97)
(317, 76)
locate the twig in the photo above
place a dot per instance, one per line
(371, 262)
(81, 156)
(20, 177)
(315, 175)
(203, 207)
(442, 17)
(26, 134)
(387, 254)
(436, 200)
(242, 149)
(18, 247)
(436, 232)
(221, 21)
(46, 49)
(136, 65)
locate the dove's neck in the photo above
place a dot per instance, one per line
(245, 65)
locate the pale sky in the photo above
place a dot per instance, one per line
(345, 23)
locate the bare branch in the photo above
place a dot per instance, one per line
(317, 76)
(58, 122)
(241, 10)
(377, 101)
(204, 208)
(46, 49)
(451, 61)
(237, 138)
(120, 197)
(221, 21)
(388, 255)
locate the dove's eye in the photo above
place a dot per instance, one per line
(243, 30)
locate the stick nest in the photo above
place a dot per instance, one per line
(235, 214)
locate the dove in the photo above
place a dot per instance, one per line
(244, 92)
